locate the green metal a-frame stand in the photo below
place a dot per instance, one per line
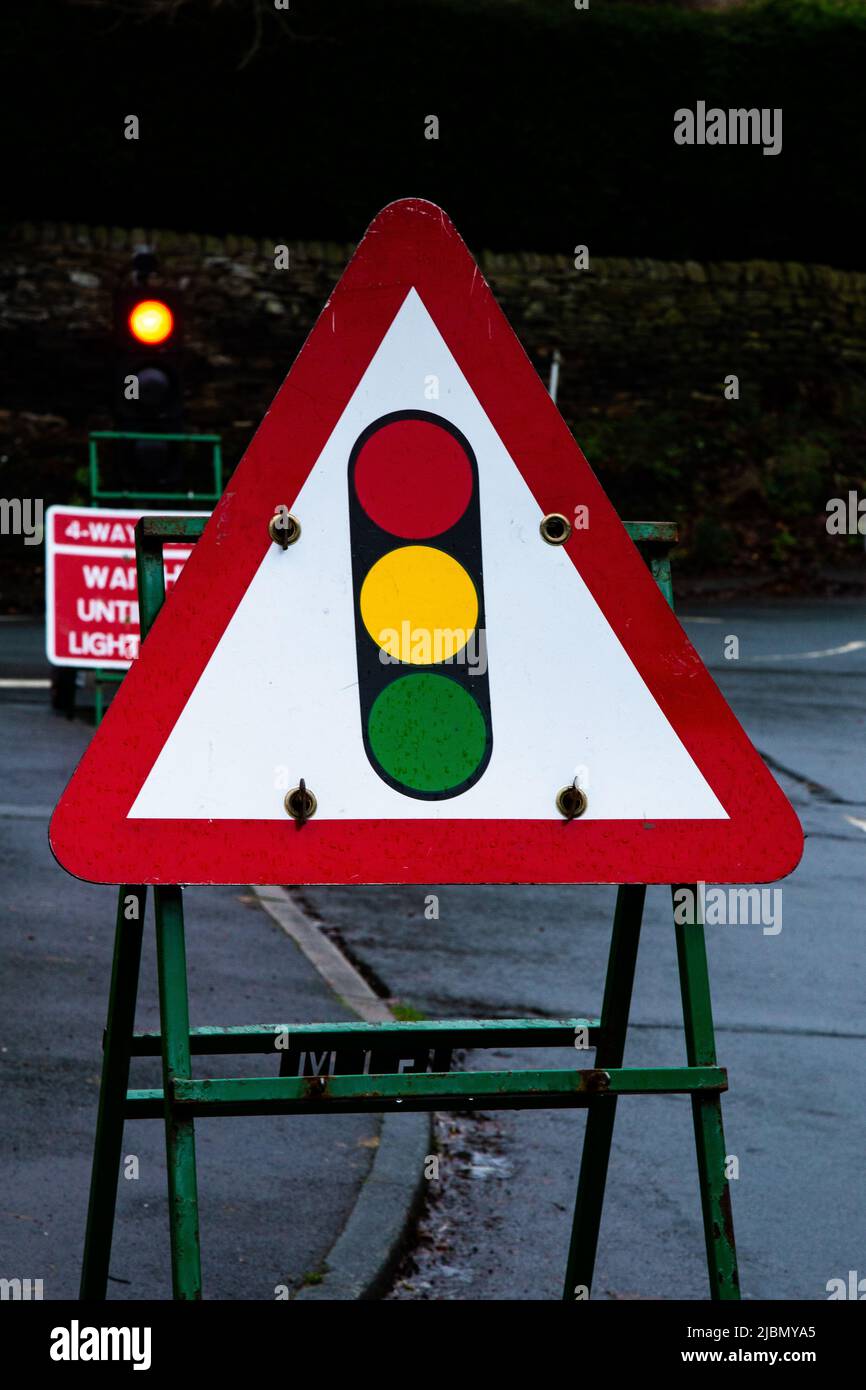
(126, 497)
(379, 1090)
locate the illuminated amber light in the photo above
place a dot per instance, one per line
(151, 321)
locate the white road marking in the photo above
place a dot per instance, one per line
(813, 656)
(860, 824)
(24, 684)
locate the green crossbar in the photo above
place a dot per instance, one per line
(462, 1033)
(183, 1097)
(468, 1090)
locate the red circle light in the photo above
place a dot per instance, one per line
(413, 479)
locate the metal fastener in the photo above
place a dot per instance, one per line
(555, 528)
(300, 802)
(283, 528)
(571, 801)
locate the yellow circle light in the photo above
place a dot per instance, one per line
(151, 321)
(419, 605)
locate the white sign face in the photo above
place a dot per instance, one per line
(565, 699)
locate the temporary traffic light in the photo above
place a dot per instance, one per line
(419, 604)
(148, 390)
(148, 393)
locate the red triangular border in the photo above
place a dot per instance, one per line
(413, 244)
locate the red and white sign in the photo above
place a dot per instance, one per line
(91, 599)
(431, 667)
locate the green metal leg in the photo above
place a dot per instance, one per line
(707, 1109)
(179, 1131)
(602, 1111)
(112, 1092)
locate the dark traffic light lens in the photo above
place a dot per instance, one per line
(154, 387)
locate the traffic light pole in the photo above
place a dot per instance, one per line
(379, 1090)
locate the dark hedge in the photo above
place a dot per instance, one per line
(556, 124)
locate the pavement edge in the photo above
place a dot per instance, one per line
(363, 1258)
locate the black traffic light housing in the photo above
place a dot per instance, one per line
(147, 386)
(426, 716)
(148, 382)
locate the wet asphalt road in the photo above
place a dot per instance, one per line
(274, 1191)
(790, 1015)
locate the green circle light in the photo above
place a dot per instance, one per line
(427, 732)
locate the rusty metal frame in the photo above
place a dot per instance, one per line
(182, 1096)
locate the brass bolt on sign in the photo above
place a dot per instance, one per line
(300, 803)
(555, 528)
(571, 802)
(283, 528)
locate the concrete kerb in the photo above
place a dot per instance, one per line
(363, 1258)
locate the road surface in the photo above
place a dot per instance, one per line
(790, 1013)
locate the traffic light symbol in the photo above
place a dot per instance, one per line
(415, 521)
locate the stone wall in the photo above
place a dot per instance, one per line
(645, 348)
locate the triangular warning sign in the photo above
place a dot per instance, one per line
(432, 662)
